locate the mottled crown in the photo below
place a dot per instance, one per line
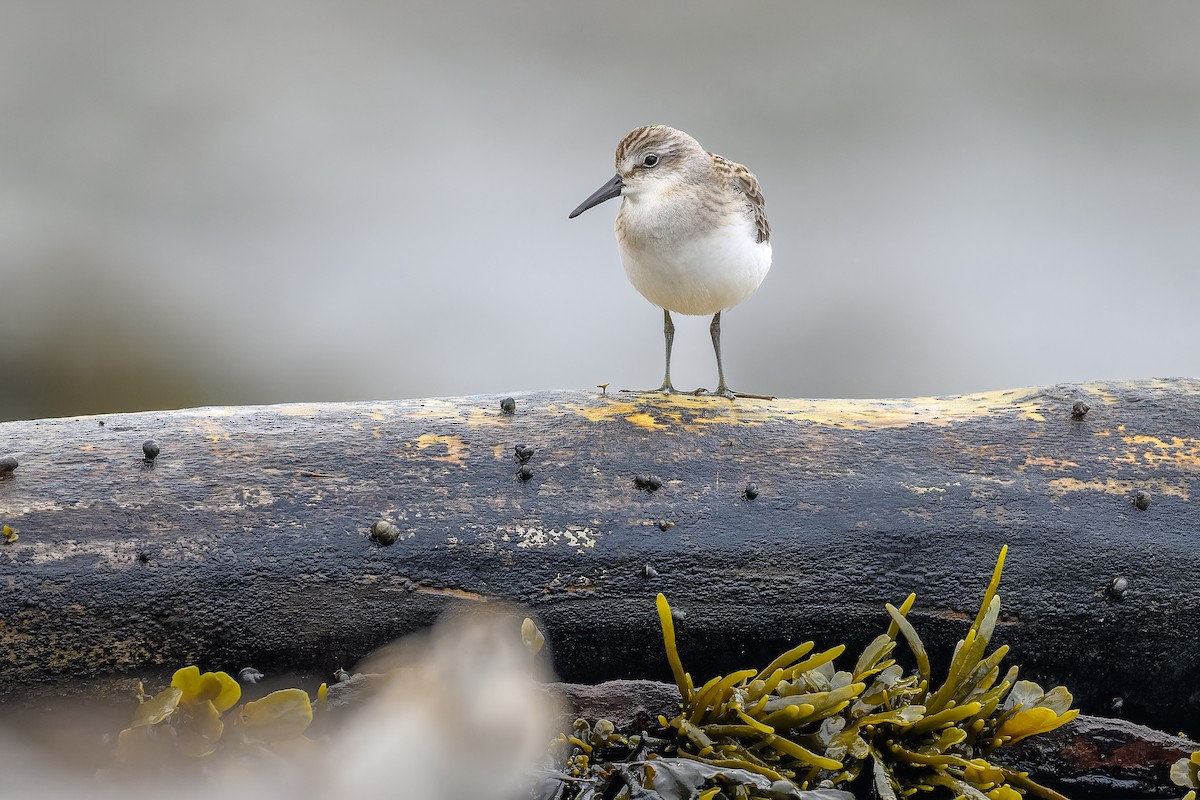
(665, 141)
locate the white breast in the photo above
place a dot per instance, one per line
(698, 273)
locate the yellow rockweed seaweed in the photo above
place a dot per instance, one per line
(281, 715)
(803, 720)
(1186, 773)
(189, 718)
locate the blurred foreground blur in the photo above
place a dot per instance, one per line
(460, 718)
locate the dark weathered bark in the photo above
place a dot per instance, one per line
(1100, 757)
(247, 541)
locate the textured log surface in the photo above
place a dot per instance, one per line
(247, 540)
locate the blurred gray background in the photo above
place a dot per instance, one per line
(245, 202)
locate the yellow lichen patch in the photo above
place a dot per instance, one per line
(455, 447)
(644, 420)
(1183, 452)
(691, 412)
(478, 416)
(1048, 464)
(1126, 457)
(1153, 441)
(994, 479)
(720, 419)
(608, 412)
(1113, 486)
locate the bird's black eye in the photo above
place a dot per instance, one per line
(650, 160)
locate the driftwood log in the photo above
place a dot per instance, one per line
(247, 541)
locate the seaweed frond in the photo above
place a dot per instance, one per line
(190, 718)
(803, 720)
(1186, 773)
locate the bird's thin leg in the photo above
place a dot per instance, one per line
(669, 336)
(723, 389)
(715, 330)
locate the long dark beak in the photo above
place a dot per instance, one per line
(606, 192)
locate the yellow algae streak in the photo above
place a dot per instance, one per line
(1184, 453)
(692, 413)
(644, 420)
(608, 412)
(1048, 464)
(455, 447)
(1113, 486)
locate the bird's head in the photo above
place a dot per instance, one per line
(650, 160)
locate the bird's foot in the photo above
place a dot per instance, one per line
(666, 388)
(729, 394)
(702, 392)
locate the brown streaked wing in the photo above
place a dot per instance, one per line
(742, 181)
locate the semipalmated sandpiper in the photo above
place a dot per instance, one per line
(692, 231)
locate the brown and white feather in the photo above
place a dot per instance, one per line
(742, 181)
